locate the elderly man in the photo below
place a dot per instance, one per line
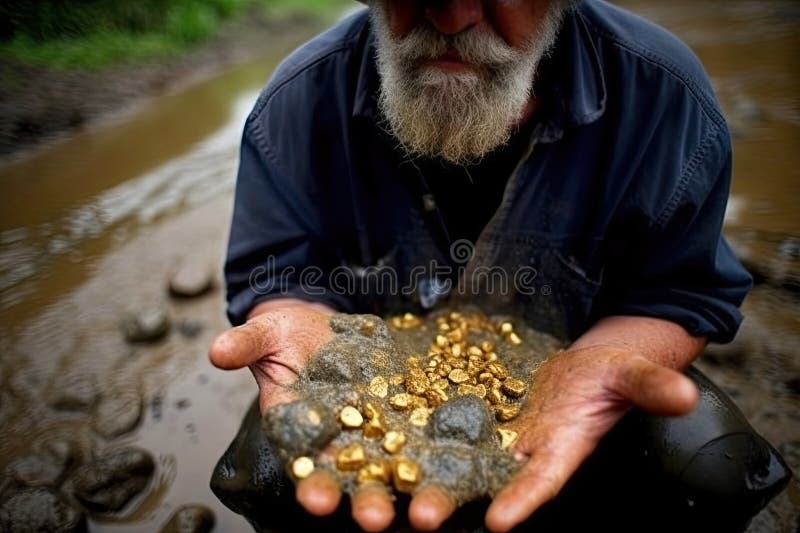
(569, 141)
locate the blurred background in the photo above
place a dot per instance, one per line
(119, 129)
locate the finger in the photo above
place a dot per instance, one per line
(242, 346)
(429, 508)
(373, 508)
(319, 493)
(655, 388)
(539, 481)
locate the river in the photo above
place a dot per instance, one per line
(92, 225)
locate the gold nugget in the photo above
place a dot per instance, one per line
(379, 387)
(396, 380)
(416, 381)
(513, 387)
(400, 401)
(514, 339)
(487, 346)
(497, 369)
(506, 328)
(350, 417)
(406, 474)
(495, 396)
(302, 467)
(419, 416)
(374, 472)
(504, 413)
(507, 437)
(458, 375)
(373, 429)
(442, 342)
(351, 457)
(474, 351)
(394, 441)
(477, 390)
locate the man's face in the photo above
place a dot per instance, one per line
(457, 75)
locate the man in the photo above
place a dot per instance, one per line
(571, 141)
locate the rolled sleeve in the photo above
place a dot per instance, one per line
(682, 269)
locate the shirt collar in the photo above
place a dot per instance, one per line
(572, 85)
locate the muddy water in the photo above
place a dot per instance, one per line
(90, 227)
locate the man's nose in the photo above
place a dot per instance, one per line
(450, 17)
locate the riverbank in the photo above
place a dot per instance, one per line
(41, 104)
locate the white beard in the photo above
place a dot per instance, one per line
(457, 116)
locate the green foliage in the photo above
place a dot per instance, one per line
(97, 33)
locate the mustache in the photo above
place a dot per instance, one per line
(479, 47)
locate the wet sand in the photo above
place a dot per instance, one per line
(92, 227)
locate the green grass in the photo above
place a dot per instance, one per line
(91, 34)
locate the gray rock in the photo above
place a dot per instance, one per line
(118, 414)
(301, 427)
(35, 471)
(464, 418)
(190, 328)
(190, 519)
(76, 392)
(191, 279)
(148, 325)
(40, 510)
(109, 482)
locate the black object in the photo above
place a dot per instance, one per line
(708, 471)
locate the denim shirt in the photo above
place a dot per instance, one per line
(615, 208)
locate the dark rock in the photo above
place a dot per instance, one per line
(35, 471)
(108, 483)
(191, 279)
(456, 469)
(464, 418)
(39, 510)
(190, 328)
(190, 519)
(147, 325)
(118, 414)
(77, 392)
(301, 427)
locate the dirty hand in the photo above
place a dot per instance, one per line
(276, 343)
(576, 398)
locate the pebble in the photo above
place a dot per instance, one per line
(190, 329)
(118, 414)
(76, 392)
(40, 510)
(108, 483)
(190, 519)
(190, 280)
(464, 418)
(147, 325)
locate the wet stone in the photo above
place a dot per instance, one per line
(464, 418)
(108, 483)
(190, 519)
(146, 325)
(76, 392)
(303, 427)
(117, 414)
(39, 510)
(190, 280)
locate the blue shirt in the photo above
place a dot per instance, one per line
(614, 207)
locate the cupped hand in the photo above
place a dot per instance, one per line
(576, 398)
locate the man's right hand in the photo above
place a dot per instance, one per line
(277, 342)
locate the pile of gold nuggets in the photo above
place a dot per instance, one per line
(393, 409)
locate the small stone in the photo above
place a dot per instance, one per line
(504, 413)
(191, 279)
(301, 427)
(190, 519)
(394, 441)
(507, 437)
(350, 417)
(40, 510)
(458, 376)
(374, 472)
(108, 483)
(464, 418)
(75, 392)
(513, 387)
(302, 467)
(117, 414)
(406, 474)
(379, 387)
(419, 416)
(351, 457)
(147, 325)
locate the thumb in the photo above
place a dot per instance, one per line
(245, 345)
(656, 388)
